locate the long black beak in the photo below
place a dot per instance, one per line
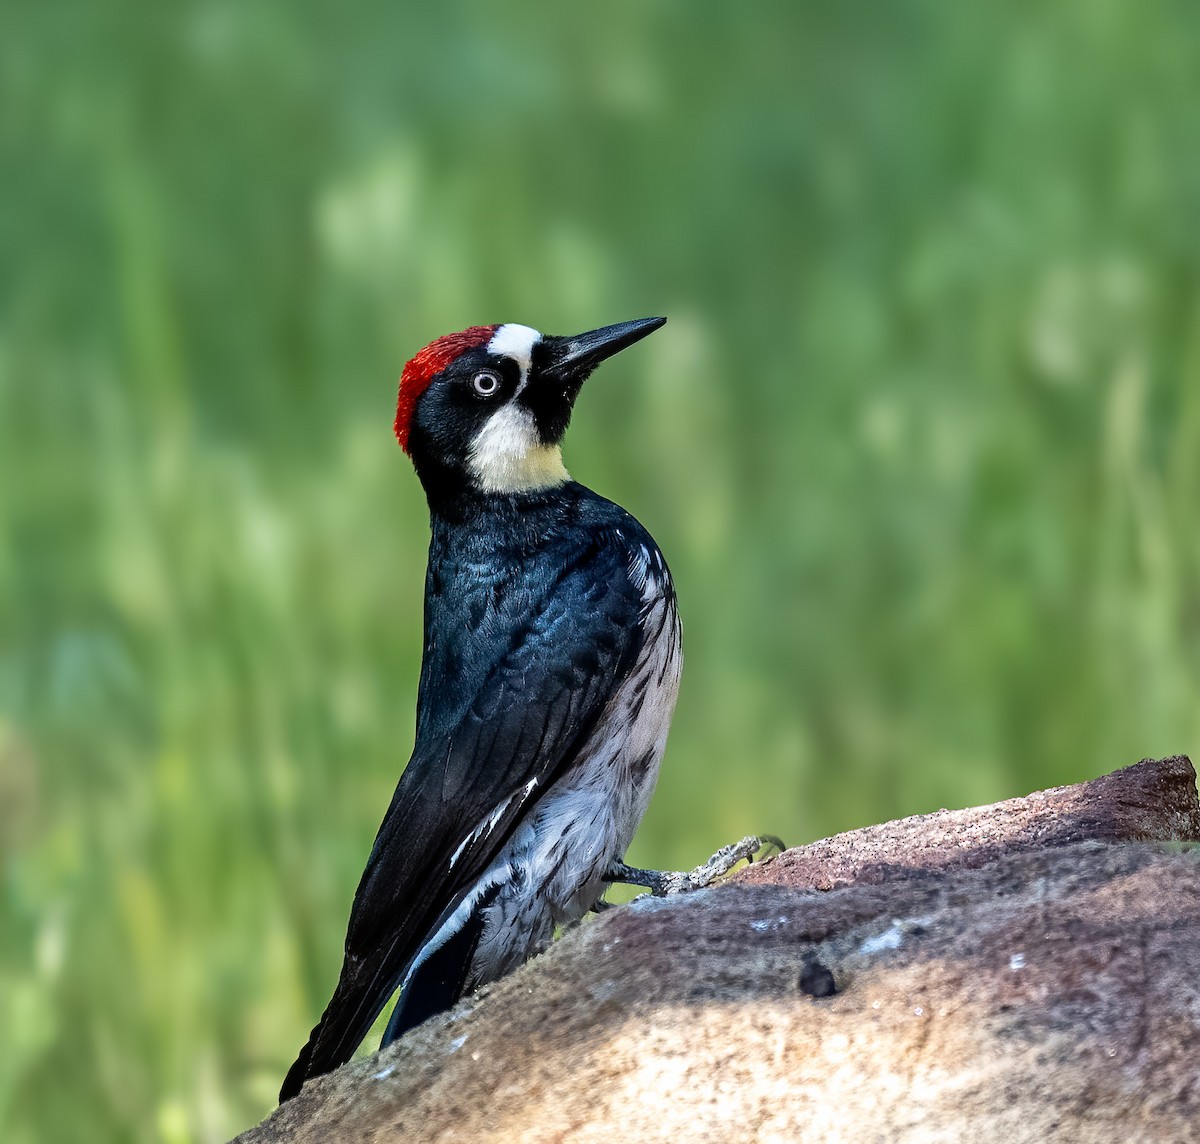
(572, 359)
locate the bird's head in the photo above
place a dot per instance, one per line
(486, 409)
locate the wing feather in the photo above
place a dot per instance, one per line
(477, 767)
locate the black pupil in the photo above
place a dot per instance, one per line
(485, 383)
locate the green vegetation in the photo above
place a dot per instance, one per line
(922, 442)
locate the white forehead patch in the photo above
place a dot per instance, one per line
(516, 342)
(507, 455)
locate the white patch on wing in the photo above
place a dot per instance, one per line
(458, 851)
(484, 828)
(481, 831)
(508, 456)
(498, 871)
(516, 342)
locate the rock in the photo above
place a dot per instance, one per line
(1153, 800)
(1023, 971)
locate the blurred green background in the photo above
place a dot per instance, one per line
(921, 441)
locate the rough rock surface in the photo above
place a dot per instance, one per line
(1155, 800)
(1029, 971)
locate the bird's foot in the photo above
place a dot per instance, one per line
(660, 883)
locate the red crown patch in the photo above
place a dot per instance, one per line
(426, 365)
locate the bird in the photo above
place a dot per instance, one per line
(551, 663)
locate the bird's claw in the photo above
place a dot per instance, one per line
(662, 883)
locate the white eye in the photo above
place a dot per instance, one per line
(485, 384)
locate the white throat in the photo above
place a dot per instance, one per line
(507, 456)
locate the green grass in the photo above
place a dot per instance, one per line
(921, 441)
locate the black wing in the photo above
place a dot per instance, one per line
(476, 767)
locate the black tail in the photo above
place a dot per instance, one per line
(435, 981)
(357, 1001)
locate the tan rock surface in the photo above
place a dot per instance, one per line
(996, 973)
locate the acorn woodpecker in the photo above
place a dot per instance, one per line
(552, 656)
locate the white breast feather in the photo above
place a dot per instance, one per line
(507, 455)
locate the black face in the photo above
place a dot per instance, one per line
(455, 408)
(480, 404)
(553, 388)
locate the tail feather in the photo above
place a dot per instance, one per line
(436, 979)
(357, 1001)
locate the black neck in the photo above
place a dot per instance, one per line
(516, 512)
